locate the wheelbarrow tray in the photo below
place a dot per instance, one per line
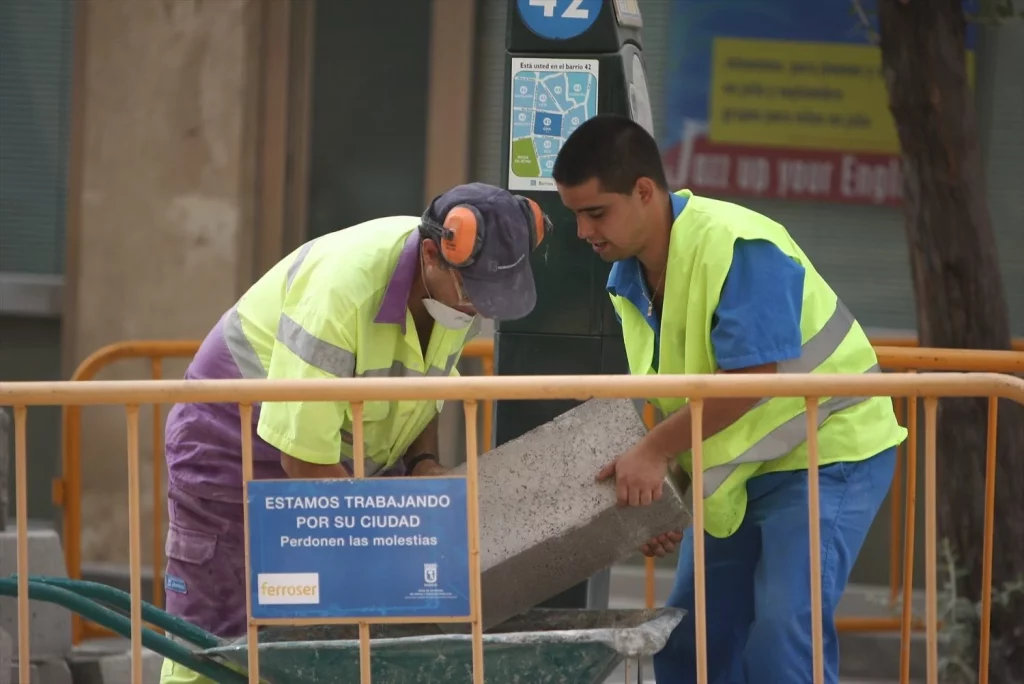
(542, 646)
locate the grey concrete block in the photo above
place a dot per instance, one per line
(6, 656)
(545, 523)
(53, 672)
(50, 636)
(118, 669)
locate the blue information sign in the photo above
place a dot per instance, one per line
(559, 19)
(359, 548)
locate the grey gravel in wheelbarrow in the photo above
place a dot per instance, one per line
(539, 647)
(546, 524)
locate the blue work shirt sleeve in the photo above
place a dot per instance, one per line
(758, 316)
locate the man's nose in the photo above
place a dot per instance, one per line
(584, 231)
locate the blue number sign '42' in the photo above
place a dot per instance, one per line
(359, 548)
(559, 19)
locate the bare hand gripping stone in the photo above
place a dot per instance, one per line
(545, 523)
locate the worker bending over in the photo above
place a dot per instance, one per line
(393, 297)
(703, 286)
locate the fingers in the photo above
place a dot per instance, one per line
(660, 546)
(634, 496)
(606, 472)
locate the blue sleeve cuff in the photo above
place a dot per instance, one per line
(757, 321)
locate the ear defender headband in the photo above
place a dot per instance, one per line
(540, 224)
(462, 235)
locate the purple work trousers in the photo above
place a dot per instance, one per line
(205, 577)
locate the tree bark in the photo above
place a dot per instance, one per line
(960, 297)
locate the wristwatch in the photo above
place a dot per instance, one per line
(410, 465)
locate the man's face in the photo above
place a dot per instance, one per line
(443, 284)
(612, 223)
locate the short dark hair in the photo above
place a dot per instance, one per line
(615, 150)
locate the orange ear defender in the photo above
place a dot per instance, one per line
(461, 236)
(540, 224)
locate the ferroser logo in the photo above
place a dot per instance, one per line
(287, 588)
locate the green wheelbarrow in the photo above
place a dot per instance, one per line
(541, 646)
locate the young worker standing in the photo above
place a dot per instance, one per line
(398, 296)
(703, 286)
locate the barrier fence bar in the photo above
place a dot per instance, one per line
(697, 388)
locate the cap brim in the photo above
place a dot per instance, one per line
(503, 299)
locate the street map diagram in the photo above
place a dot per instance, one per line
(550, 99)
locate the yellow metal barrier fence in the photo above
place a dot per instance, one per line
(895, 353)
(469, 390)
(67, 489)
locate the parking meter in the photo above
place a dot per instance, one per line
(566, 61)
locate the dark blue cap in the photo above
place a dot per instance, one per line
(499, 282)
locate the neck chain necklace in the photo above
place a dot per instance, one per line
(654, 294)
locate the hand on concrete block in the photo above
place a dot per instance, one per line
(639, 474)
(661, 545)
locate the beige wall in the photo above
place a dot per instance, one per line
(165, 208)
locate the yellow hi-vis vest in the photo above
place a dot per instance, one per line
(772, 436)
(312, 316)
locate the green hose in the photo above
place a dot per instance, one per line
(71, 594)
(122, 601)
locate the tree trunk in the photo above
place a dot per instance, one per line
(960, 296)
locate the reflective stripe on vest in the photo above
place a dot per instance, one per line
(791, 434)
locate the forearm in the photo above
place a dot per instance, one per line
(421, 456)
(297, 469)
(675, 434)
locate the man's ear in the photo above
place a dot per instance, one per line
(430, 251)
(645, 189)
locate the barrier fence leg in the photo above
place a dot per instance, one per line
(359, 471)
(990, 512)
(699, 597)
(21, 492)
(930, 541)
(251, 632)
(910, 513)
(814, 525)
(134, 541)
(473, 527)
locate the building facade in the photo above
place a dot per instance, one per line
(156, 157)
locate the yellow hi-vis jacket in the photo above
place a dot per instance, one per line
(315, 315)
(772, 436)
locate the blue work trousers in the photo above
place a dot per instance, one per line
(758, 580)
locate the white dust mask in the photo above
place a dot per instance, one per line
(453, 319)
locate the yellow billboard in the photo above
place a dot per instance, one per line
(801, 95)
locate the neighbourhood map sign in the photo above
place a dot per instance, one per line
(358, 548)
(550, 99)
